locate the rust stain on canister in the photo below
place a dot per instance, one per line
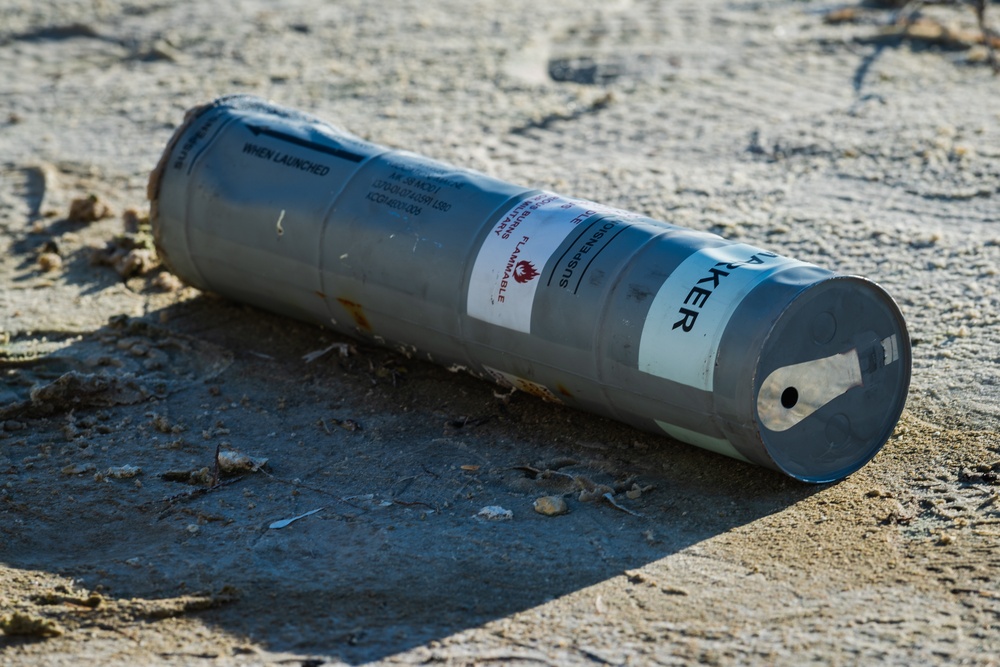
(357, 313)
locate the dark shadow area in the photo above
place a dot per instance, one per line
(400, 455)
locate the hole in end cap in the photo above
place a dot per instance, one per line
(789, 398)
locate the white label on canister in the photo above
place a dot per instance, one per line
(681, 334)
(511, 259)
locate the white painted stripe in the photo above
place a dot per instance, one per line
(681, 335)
(717, 445)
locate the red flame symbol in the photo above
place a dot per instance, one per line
(524, 271)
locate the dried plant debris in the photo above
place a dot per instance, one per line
(232, 462)
(586, 489)
(346, 424)
(904, 20)
(195, 477)
(133, 252)
(76, 390)
(62, 610)
(178, 606)
(126, 471)
(343, 350)
(495, 513)
(65, 595)
(589, 491)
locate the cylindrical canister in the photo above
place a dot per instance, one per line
(719, 344)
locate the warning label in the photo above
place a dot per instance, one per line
(507, 270)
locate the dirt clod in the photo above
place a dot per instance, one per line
(19, 624)
(88, 209)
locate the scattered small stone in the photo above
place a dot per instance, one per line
(13, 425)
(495, 513)
(551, 505)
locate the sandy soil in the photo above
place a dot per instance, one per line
(859, 148)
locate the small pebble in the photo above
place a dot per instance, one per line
(551, 505)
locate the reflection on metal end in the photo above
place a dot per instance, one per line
(890, 349)
(792, 393)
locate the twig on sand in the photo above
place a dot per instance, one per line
(193, 493)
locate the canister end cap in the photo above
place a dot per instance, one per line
(832, 379)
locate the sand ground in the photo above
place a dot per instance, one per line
(839, 143)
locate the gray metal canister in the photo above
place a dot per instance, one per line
(719, 344)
